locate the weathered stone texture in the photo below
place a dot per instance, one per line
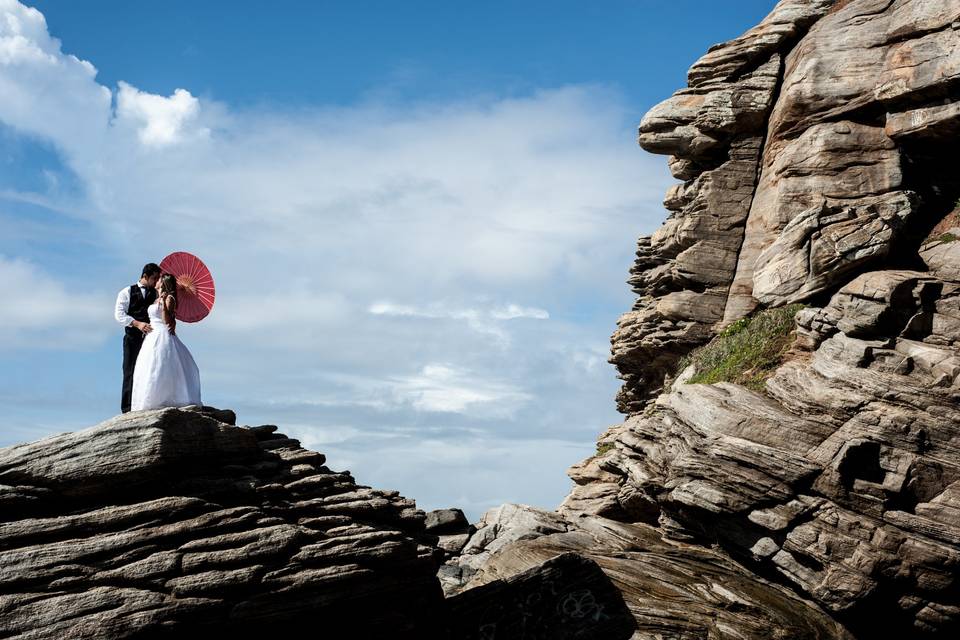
(818, 154)
(713, 130)
(672, 589)
(820, 247)
(195, 527)
(566, 596)
(844, 477)
(788, 119)
(842, 166)
(866, 74)
(171, 522)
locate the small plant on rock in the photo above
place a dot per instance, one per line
(747, 351)
(603, 448)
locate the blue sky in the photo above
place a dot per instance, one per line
(420, 217)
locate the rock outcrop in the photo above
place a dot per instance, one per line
(173, 521)
(816, 155)
(817, 160)
(178, 524)
(714, 130)
(564, 597)
(673, 590)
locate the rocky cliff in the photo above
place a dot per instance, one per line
(179, 524)
(791, 365)
(789, 465)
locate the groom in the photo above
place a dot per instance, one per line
(131, 312)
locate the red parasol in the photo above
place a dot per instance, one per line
(195, 290)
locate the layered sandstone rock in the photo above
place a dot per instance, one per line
(564, 596)
(173, 521)
(812, 148)
(673, 590)
(817, 155)
(178, 524)
(714, 132)
(842, 477)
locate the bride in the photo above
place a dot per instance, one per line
(165, 374)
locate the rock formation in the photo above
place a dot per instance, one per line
(816, 155)
(565, 597)
(178, 524)
(673, 590)
(174, 521)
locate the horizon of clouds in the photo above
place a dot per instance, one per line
(409, 273)
(487, 321)
(36, 314)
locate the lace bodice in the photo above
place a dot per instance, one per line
(156, 317)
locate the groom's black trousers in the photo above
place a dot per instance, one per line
(131, 349)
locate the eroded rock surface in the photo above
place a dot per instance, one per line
(673, 590)
(841, 478)
(172, 521)
(565, 596)
(714, 131)
(812, 148)
(178, 524)
(817, 160)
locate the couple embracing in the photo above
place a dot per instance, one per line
(158, 370)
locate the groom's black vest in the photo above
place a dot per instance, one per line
(137, 309)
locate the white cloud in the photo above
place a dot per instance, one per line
(435, 387)
(332, 232)
(72, 109)
(162, 121)
(513, 311)
(390, 309)
(497, 191)
(441, 310)
(483, 320)
(39, 312)
(443, 388)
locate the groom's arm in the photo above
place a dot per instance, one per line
(120, 312)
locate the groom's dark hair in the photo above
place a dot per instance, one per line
(150, 269)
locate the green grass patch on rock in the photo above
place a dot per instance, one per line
(747, 351)
(603, 448)
(944, 230)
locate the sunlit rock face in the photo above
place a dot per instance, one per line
(673, 590)
(176, 523)
(816, 157)
(715, 131)
(816, 164)
(812, 148)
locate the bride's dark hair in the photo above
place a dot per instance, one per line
(167, 288)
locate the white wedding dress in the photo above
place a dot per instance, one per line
(165, 374)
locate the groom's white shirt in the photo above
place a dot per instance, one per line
(123, 303)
